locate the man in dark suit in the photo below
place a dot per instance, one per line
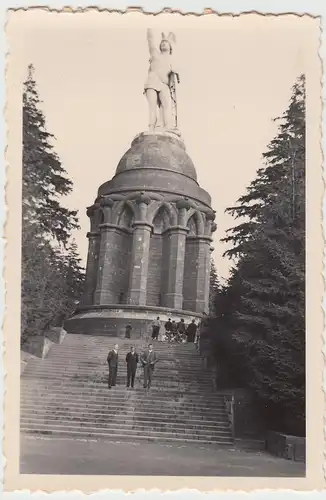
(132, 361)
(191, 331)
(148, 359)
(112, 360)
(128, 330)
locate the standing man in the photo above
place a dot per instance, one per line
(132, 361)
(168, 327)
(128, 330)
(112, 360)
(181, 329)
(174, 330)
(191, 331)
(148, 360)
(156, 328)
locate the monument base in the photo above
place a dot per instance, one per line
(111, 320)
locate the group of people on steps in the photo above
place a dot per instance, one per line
(173, 331)
(148, 360)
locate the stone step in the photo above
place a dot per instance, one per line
(122, 367)
(71, 353)
(125, 436)
(166, 349)
(79, 344)
(123, 341)
(102, 350)
(122, 423)
(81, 375)
(91, 430)
(118, 404)
(164, 366)
(86, 383)
(176, 418)
(111, 340)
(122, 374)
(76, 393)
(150, 404)
(199, 419)
(92, 385)
(66, 394)
(180, 408)
(166, 361)
(159, 347)
(88, 371)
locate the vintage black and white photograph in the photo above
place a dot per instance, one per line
(164, 263)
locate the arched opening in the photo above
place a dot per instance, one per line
(126, 217)
(98, 219)
(157, 258)
(116, 257)
(191, 264)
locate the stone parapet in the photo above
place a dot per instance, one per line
(112, 320)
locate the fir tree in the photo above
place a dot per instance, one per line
(284, 160)
(264, 302)
(51, 272)
(213, 289)
(44, 178)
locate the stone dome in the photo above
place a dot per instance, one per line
(160, 151)
(156, 163)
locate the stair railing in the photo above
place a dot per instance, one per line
(229, 399)
(229, 404)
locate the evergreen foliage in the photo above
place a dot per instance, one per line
(52, 275)
(213, 289)
(262, 309)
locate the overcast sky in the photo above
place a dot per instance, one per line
(236, 76)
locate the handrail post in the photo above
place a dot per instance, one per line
(229, 403)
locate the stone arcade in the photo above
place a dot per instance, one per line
(149, 241)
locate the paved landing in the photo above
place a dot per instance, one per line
(90, 457)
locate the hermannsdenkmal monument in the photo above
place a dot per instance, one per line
(151, 224)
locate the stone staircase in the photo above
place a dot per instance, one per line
(66, 394)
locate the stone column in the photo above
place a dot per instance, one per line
(91, 267)
(140, 254)
(103, 294)
(174, 281)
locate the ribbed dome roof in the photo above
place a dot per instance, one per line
(158, 151)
